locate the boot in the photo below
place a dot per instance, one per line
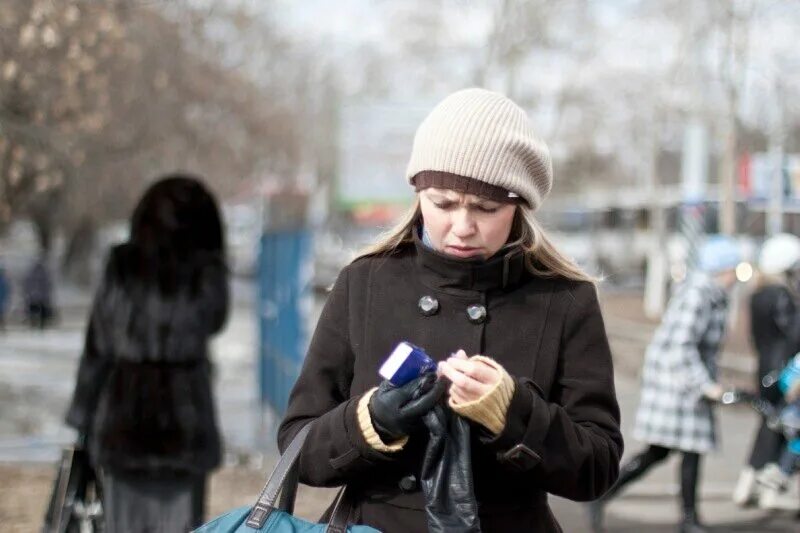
(595, 510)
(745, 493)
(691, 523)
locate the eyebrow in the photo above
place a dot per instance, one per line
(438, 197)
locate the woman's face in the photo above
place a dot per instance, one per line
(465, 225)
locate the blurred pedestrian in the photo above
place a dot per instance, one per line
(5, 296)
(76, 265)
(143, 398)
(679, 380)
(775, 332)
(774, 478)
(37, 287)
(468, 273)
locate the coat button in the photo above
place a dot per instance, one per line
(476, 313)
(408, 483)
(428, 305)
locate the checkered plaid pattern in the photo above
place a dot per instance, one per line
(680, 361)
(692, 227)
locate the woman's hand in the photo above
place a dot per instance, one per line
(397, 411)
(471, 379)
(714, 392)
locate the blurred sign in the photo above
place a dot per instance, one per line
(375, 144)
(759, 169)
(745, 176)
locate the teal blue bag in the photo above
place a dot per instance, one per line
(266, 517)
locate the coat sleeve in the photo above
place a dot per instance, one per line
(95, 361)
(571, 445)
(335, 449)
(689, 321)
(787, 318)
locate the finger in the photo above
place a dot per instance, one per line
(424, 403)
(476, 370)
(438, 388)
(472, 391)
(439, 371)
(406, 391)
(417, 385)
(461, 354)
(386, 386)
(457, 396)
(424, 383)
(448, 371)
(468, 385)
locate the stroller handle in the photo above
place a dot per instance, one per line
(770, 413)
(770, 379)
(735, 396)
(759, 405)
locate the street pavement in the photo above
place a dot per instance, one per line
(37, 372)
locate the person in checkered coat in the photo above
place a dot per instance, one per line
(679, 379)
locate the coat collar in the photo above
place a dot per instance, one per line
(714, 291)
(440, 271)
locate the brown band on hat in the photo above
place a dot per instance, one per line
(464, 184)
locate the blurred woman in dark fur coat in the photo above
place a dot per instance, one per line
(143, 400)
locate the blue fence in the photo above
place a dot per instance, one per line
(283, 286)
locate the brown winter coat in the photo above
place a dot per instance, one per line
(562, 432)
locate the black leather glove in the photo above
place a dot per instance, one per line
(397, 411)
(446, 476)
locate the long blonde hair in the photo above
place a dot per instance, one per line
(542, 258)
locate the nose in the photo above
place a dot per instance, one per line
(462, 224)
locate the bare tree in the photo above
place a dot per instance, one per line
(96, 98)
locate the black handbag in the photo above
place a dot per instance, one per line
(75, 501)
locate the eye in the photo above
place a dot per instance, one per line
(485, 209)
(443, 205)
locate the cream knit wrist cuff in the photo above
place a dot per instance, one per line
(368, 430)
(489, 410)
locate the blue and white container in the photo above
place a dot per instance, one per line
(405, 364)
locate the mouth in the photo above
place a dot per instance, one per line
(463, 251)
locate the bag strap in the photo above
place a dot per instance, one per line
(283, 470)
(289, 490)
(340, 516)
(284, 480)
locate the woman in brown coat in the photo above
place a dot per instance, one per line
(467, 274)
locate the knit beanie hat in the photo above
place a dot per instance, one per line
(485, 137)
(717, 254)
